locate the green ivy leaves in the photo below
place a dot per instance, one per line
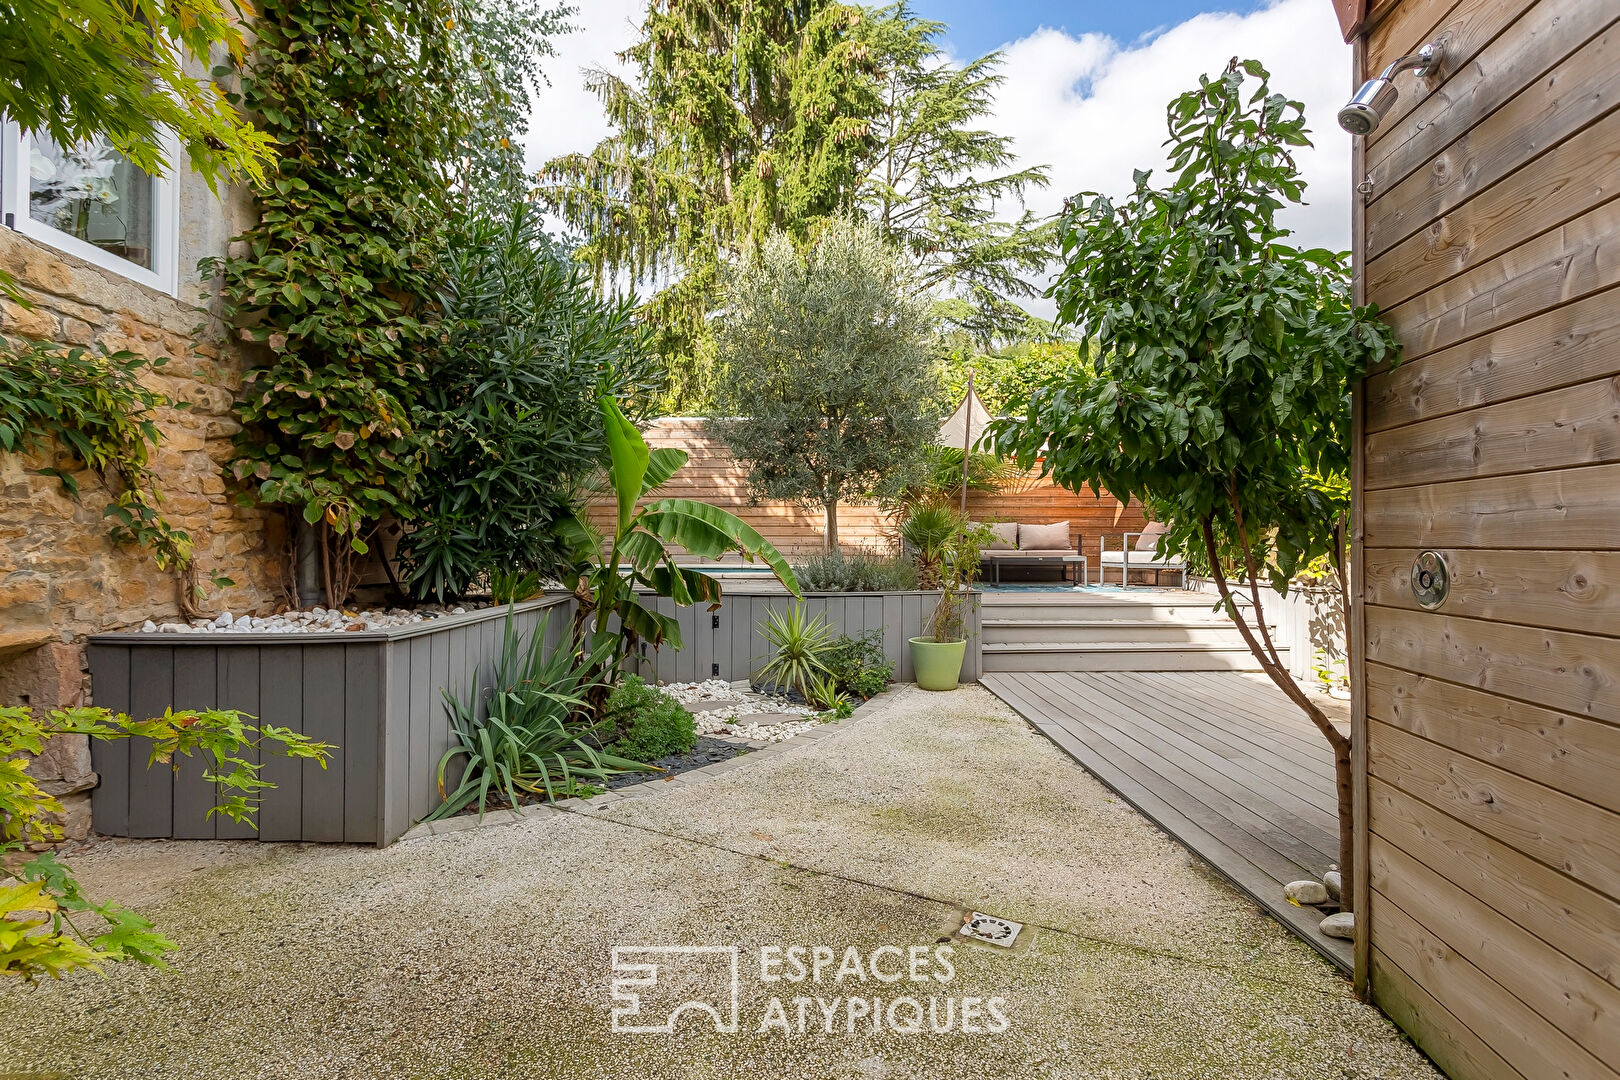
(336, 277)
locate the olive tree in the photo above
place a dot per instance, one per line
(826, 375)
(1220, 390)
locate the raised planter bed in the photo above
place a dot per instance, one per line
(377, 695)
(727, 644)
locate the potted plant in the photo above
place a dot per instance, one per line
(952, 557)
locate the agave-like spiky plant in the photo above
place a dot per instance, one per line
(535, 737)
(801, 645)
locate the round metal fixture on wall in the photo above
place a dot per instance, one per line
(1430, 580)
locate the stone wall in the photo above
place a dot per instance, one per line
(61, 576)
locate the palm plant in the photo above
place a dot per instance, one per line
(959, 569)
(941, 484)
(535, 737)
(801, 646)
(639, 555)
(928, 532)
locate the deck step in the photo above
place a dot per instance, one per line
(1216, 630)
(1119, 656)
(1035, 606)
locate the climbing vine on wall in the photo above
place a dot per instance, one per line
(91, 403)
(381, 128)
(332, 277)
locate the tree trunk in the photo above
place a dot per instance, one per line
(1271, 664)
(306, 561)
(326, 567)
(831, 507)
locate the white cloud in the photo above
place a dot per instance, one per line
(1088, 106)
(1094, 110)
(568, 117)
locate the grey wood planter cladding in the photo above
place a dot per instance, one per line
(727, 644)
(377, 695)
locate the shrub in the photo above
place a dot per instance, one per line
(654, 725)
(858, 665)
(508, 408)
(856, 573)
(39, 897)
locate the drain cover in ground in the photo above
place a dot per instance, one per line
(990, 929)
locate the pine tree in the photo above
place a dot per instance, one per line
(935, 184)
(745, 118)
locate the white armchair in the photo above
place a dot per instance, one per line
(1143, 556)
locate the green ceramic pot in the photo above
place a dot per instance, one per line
(938, 663)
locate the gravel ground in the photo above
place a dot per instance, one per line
(486, 953)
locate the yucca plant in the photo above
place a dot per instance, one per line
(536, 738)
(513, 586)
(801, 645)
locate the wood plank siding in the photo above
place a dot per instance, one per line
(1490, 728)
(730, 643)
(714, 476)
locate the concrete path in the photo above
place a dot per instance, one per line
(488, 952)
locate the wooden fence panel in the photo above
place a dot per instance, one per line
(714, 476)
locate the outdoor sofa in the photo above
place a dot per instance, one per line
(1018, 544)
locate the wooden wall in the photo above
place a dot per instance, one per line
(1490, 728)
(714, 476)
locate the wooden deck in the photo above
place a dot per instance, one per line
(1219, 760)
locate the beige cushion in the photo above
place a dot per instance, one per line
(1043, 537)
(1005, 533)
(1149, 538)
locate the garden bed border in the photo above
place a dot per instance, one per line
(377, 695)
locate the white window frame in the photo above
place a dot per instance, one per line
(15, 152)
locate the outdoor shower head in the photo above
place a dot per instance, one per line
(1367, 109)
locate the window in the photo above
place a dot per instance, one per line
(89, 201)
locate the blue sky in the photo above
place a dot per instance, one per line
(980, 26)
